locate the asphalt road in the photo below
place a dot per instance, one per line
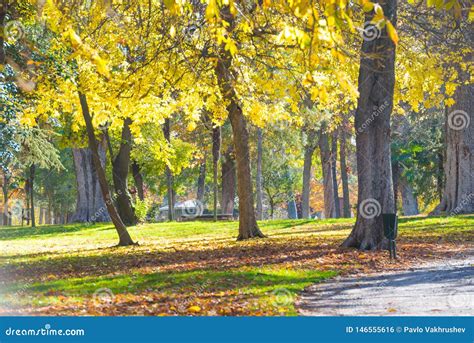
(437, 289)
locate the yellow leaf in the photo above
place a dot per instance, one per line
(392, 33)
(391, 309)
(194, 309)
(368, 6)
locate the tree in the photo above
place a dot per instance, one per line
(124, 237)
(372, 122)
(309, 147)
(346, 210)
(258, 177)
(248, 227)
(36, 151)
(329, 209)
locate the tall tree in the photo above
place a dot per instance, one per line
(258, 178)
(169, 175)
(346, 209)
(326, 171)
(309, 147)
(248, 227)
(216, 154)
(372, 122)
(337, 207)
(124, 237)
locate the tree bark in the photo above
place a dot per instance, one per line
(124, 236)
(409, 201)
(27, 198)
(32, 195)
(337, 207)
(216, 154)
(311, 136)
(228, 175)
(201, 183)
(248, 227)
(327, 172)
(458, 190)
(259, 179)
(138, 178)
(6, 182)
(344, 171)
(372, 122)
(90, 205)
(120, 170)
(169, 175)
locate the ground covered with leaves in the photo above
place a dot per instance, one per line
(198, 268)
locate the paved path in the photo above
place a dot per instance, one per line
(437, 289)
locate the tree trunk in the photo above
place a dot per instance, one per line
(216, 154)
(344, 178)
(259, 178)
(307, 167)
(28, 198)
(41, 216)
(120, 170)
(395, 178)
(337, 207)
(90, 205)
(372, 122)
(228, 182)
(138, 178)
(32, 195)
(409, 201)
(201, 183)
(169, 175)
(6, 182)
(248, 227)
(458, 192)
(327, 173)
(124, 236)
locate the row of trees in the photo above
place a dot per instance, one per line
(151, 84)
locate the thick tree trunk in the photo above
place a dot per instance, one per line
(310, 146)
(228, 182)
(169, 175)
(409, 201)
(201, 183)
(120, 170)
(337, 207)
(124, 236)
(344, 177)
(90, 205)
(458, 193)
(327, 173)
(248, 227)
(216, 154)
(138, 178)
(259, 178)
(32, 195)
(372, 123)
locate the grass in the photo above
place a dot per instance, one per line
(195, 268)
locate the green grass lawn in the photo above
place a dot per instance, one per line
(194, 268)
